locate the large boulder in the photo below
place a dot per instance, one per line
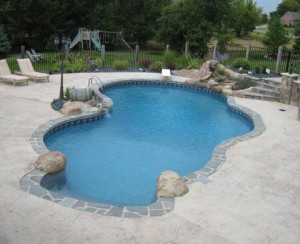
(193, 74)
(205, 72)
(170, 184)
(207, 69)
(107, 102)
(71, 108)
(211, 83)
(51, 162)
(231, 74)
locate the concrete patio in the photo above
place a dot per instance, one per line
(254, 198)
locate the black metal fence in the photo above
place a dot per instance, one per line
(261, 57)
(257, 56)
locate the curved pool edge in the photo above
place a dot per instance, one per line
(31, 181)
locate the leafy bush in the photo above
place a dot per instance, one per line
(194, 63)
(94, 63)
(182, 62)
(145, 63)
(245, 83)
(67, 93)
(73, 64)
(220, 72)
(120, 64)
(156, 66)
(241, 63)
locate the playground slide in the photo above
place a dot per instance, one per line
(96, 43)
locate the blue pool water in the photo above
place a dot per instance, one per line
(150, 129)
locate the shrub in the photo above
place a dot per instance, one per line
(156, 66)
(67, 93)
(120, 64)
(241, 63)
(220, 72)
(77, 65)
(145, 63)
(169, 57)
(220, 79)
(170, 66)
(94, 63)
(73, 64)
(245, 83)
(182, 62)
(194, 63)
(257, 70)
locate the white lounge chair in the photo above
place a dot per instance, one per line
(6, 75)
(30, 56)
(27, 69)
(36, 55)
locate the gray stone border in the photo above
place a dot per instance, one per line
(31, 181)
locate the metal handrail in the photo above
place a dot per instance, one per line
(97, 80)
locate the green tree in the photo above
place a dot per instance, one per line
(275, 36)
(4, 44)
(25, 26)
(264, 18)
(245, 16)
(190, 20)
(296, 47)
(288, 5)
(137, 18)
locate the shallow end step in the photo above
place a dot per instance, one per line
(258, 96)
(265, 91)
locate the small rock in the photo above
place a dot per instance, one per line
(216, 88)
(170, 184)
(51, 162)
(211, 83)
(227, 92)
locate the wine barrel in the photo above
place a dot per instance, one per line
(81, 94)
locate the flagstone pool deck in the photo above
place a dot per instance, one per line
(253, 198)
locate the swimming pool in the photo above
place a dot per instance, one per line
(150, 129)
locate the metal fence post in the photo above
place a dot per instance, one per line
(215, 52)
(22, 51)
(136, 55)
(248, 51)
(187, 47)
(278, 61)
(103, 54)
(288, 62)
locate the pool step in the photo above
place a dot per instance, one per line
(271, 86)
(259, 96)
(267, 89)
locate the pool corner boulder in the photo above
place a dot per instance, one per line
(170, 184)
(51, 162)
